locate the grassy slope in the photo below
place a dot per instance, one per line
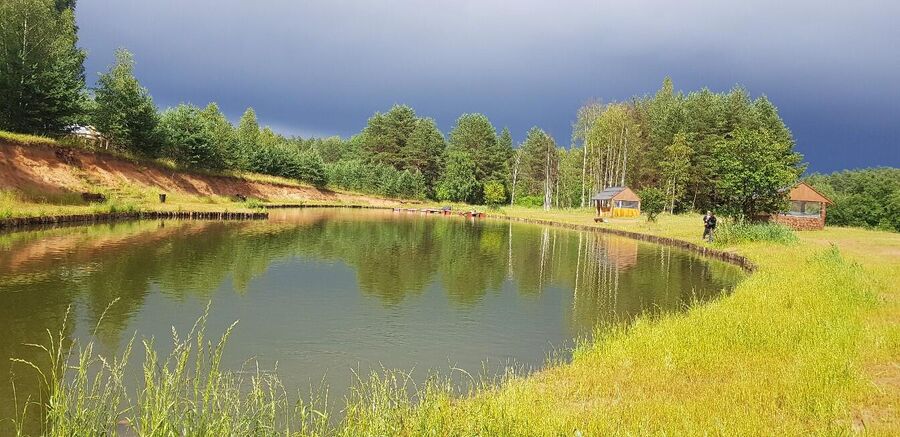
(795, 349)
(807, 344)
(130, 196)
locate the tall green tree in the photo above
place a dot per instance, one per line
(424, 152)
(41, 68)
(538, 166)
(587, 116)
(505, 151)
(247, 135)
(458, 183)
(124, 111)
(221, 133)
(664, 118)
(753, 169)
(475, 135)
(676, 167)
(187, 138)
(385, 137)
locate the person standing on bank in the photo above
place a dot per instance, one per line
(709, 226)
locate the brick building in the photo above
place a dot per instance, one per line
(806, 211)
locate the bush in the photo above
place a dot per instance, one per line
(530, 201)
(411, 185)
(286, 160)
(385, 180)
(729, 233)
(494, 193)
(308, 167)
(653, 202)
(186, 139)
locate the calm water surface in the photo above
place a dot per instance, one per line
(324, 291)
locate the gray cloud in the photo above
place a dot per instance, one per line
(318, 68)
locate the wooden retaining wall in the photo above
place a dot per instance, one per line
(11, 223)
(729, 257)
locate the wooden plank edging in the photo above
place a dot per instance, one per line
(19, 222)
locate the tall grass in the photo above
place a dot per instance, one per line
(184, 393)
(25, 139)
(731, 233)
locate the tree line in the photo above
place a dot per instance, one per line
(867, 198)
(690, 151)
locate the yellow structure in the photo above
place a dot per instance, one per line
(617, 202)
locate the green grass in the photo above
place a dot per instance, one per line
(25, 139)
(735, 232)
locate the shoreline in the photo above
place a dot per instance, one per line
(808, 275)
(23, 223)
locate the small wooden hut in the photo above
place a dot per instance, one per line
(617, 202)
(806, 210)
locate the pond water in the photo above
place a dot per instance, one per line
(324, 291)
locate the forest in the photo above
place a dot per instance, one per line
(688, 151)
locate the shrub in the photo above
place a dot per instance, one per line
(729, 233)
(653, 202)
(494, 193)
(254, 203)
(530, 201)
(411, 185)
(309, 167)
(286, 160)
(385, 180)
(186, 139)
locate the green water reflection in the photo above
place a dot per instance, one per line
(322, 291)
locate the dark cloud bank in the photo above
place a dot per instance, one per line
(323, 67)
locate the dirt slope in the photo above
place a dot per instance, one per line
(54, 171)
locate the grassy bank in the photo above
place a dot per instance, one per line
(44, 177)
(808, 344)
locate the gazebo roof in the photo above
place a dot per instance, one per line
(617, 193)
(805, 193)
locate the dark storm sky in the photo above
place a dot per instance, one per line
(315, 68)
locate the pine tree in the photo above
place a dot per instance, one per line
(124, 111)
(41, 69)
(247, 134)
(384, 139)
(538, 168)
(505, 152)
(424, 151)
(220, 131)
(475, 135)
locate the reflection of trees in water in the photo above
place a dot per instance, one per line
(612, 279)
(392, 258)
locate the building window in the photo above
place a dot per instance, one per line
(806, 209)
(627, 204)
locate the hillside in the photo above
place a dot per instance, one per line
(42, 176)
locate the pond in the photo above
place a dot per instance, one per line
(324, 291)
